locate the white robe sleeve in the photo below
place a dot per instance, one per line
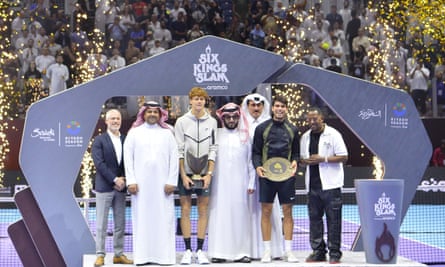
(179, 135)
(174, 161)
(129, 158)
(251, 170)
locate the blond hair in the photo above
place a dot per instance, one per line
(198, 91)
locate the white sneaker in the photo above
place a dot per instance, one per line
(267, 257)
(187, 257)
(201, 257)
(290, 257)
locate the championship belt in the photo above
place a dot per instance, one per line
(197, 165)
(278, 169)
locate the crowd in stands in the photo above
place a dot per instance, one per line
(104, 35)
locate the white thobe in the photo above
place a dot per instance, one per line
(151, 161)
(58, 74)
(229, 228)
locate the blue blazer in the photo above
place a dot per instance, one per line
(105, 161)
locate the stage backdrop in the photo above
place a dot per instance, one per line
(58, 128)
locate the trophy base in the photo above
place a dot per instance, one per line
(198, 183)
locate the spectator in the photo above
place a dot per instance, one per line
(138, 7)
(128, 18)
(116, 61)
(419, 76)
(145, 18)
(357, 68)
(194, 33)
(57, 74)
(439, 73)
(331, 59)
(164, 35)
(156, 49)
(176, 10)
(41, 38)
(22, 40)
(33, 85)
(28, 55)
(148, 43)
(333, 66)
(131, 51)
(345, 13)
(352, 31)
(117, 31)
(137, 34)
(179, 29)
(218, 26)
(257, 36)
(438, 159)
(333, 17)
(270, 22)
(43, 61)
(361, 40)
(53, 47)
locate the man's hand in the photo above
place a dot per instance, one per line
(207, 179)
(261, 171)
(187, 182)
(133, 189)
(314, 159)
(119, 184)
(294, 166)
(169, 189)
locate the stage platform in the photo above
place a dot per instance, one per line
(349, 259)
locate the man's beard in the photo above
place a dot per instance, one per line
(231, 127)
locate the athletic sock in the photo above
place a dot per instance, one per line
(188, 243)
(266, 245)
(200, 243)
(287, 245)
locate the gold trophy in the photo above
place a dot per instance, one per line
(278, 169)
(197, 165)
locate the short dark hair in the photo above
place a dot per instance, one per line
(279, 98)
(315, 109)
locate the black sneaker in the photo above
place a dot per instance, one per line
(244, 259)
(218, 260)
(334, 260)
(316, 257)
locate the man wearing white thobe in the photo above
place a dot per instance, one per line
(229, 230)
(57, 74)
(151, 165)
(257, 109)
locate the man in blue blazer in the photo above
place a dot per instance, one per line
(110, 187)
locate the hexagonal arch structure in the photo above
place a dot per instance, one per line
(58, 128)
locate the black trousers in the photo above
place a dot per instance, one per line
(419, 97)
(329, 203)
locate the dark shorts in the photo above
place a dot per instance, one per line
(284, 189)
(199, 192)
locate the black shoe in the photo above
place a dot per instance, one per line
(143, 264)
(334, 260)
(244, 259)
(316, 257)
(217, 260)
